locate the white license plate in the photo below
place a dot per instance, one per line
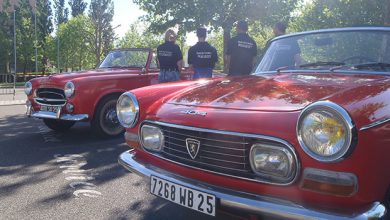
(184, 196)
(46, 108)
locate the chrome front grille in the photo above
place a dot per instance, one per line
(226, 153)
(50, 96)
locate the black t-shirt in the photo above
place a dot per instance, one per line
(242, 49)
(168, 54)
(202, 55)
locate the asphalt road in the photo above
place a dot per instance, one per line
(72, 175)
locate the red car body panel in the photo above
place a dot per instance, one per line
(270, 105)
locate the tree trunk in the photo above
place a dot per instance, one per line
(226, 38)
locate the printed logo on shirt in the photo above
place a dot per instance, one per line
(245, 44)
(203, 55)
(165, 53)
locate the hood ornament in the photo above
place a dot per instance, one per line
(192, 147)
(194, 112)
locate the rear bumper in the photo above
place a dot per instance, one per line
(244, 201)
(51, 115)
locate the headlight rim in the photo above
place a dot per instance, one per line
(142, 142)
(347, 119)
(73, 88)
(294, 164)
(30, 87)
(136, 105)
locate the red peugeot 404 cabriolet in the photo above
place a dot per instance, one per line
(307, 135)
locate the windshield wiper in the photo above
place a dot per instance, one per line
(382, 66)
(322, 63)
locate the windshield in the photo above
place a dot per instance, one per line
(352, 50)
(125, 59)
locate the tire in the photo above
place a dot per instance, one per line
(58, 125)
(105, 122)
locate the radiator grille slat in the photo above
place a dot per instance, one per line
(50, 96)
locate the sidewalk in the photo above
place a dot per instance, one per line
(9, 99)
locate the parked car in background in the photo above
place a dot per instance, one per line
(307, 136)
(63, 99)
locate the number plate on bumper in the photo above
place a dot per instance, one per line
(187, 197)
(45, 108)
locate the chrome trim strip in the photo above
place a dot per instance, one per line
(40, 100)
(216, 140)
(52, 115)
(201, 163)
(208, 145)
(242, 201)
(210, 152)
(330, 107)
(254, 136)
(374, 124)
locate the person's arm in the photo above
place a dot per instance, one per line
(180, 65)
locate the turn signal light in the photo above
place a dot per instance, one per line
(329, 182)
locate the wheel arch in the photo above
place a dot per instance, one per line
(103, 97)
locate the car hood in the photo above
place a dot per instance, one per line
(62, 78)
(277, 92)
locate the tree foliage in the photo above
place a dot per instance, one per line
(101, 13)
(340, 13)
(75, 38)
(135, 37)
(61, 12)
(77, 7)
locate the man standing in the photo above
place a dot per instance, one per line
(279, 29)
(241, 52)
(170, 58)
(202, 56)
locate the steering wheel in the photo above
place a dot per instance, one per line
(358, 58)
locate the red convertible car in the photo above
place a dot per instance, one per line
(61, 100)
(306, 136)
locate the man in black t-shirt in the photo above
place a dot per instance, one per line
(170, 58)
(241, 52)
(202, 56)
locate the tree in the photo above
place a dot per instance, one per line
(101, 13)
(76, 54)
(340, 13)
(44, 29)
(61, 12)
(77, 7)
(135, 37)
(217, 14)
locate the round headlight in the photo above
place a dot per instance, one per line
(326, 132)
(152, 138)
(69, 89)
(127, 110)
(28, 88)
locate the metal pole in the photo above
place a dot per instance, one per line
(36, 40)
(14, 52)
(58, 52)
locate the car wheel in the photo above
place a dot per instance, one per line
(105, 122)
(58, 125)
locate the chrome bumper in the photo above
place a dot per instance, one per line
(243, 201)
(51, 115)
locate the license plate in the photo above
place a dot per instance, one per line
(54, 109)
(184, 196)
